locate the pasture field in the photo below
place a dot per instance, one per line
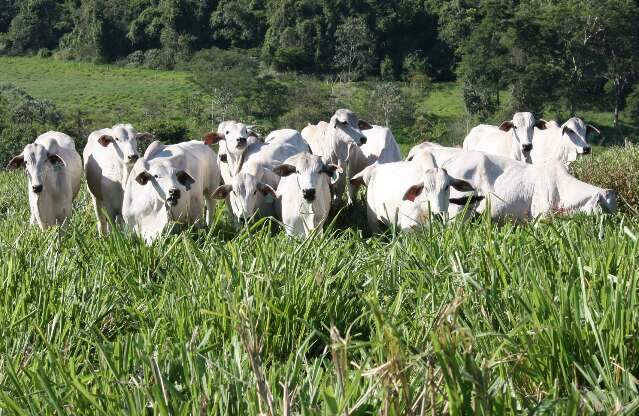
(466, 319)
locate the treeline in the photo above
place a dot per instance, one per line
(553, 57)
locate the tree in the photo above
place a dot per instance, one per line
(354, 54)
(239, 23)
(34, 26)
(387, 99)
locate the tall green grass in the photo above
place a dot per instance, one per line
(465, 319)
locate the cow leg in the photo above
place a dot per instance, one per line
(101, 219)
(210, 208)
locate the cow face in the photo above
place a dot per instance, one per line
(235, 137)
(171, 185)
(349, 127)
(522, 127)
(310, 173)
(432, 194)
(245, 194)
(38, 164)
(574, 132)
(124, 141)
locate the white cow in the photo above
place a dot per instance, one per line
(235, 132)
(109, 157)
(256, 167)
(54, 170)
(171, 184)
(303, 194)
(563, 143)
(406, 193)
(338, 142)
(520, 191)
(440, 153)
(513, 139)
(380, 146)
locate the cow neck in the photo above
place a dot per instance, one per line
(235, 164)
(42, 205)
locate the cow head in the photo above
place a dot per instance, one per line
(236, 137)
(310, 173)
(123, 138)
(348, 126)
(522, 127)
(38, 164)
(432, 193)
(574, 133)
(169, 183)
(245, 194)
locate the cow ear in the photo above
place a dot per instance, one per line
(506, 126)
(104, 140)
(224, 158)
(466, 200)
(145, 136)
(16, 162)
(143, 178)
(330, 169)
(364, 125)
(185, 179)
(413, 192)
(541, 124)
(461, 186)
(284, 169)
(222, 191)
(266, 189)
(592, 129)
(213, 137)
(56, 160)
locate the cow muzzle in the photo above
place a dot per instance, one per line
(585, 150)
(363, 140)
(36, 189)
(174, 196)
(526, 147)
(133, 158)
(241, 142)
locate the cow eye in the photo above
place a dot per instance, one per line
(227, 132)
(156, 176)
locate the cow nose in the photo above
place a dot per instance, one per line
(36, 189)
(308, 194)
(586, 150)
(241, 140)
(526, 147)
(363, 140)
(242, 221)
(133, 158)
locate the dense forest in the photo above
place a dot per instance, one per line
(542, 56)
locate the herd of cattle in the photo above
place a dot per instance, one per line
(517, 170)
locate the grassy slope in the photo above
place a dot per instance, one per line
(480, 317)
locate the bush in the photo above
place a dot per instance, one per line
(167, 131)
(615, 168)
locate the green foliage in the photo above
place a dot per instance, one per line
(458, 319)
(614, 168)
(353, 49)
(167, 131)
(34, 26)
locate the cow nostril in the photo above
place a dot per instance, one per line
(527, 147)
(363, 140)
(174, 193)
(308, 194)
(36, 189)
(586, 150)
(134, 158)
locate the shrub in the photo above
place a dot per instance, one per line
(615, 168)
(167, 131)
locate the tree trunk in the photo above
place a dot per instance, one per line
(617, 102)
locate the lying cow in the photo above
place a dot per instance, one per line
(520, 191)
(338, 142)
(171, 184)
(54, 170)
(563, 143)
(303, 194)
(513, 139)
(109, 157)
(407, 193)
(380, 146)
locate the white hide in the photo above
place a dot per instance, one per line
(512, 139)
(520, 191)
(405, 193)
(440, 153)
(109, 157)
(234, 131)
(302, 174)
(338, 142)
(54, 171)
(171, 185)
(380, 146)
(563, 143)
